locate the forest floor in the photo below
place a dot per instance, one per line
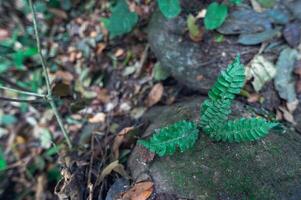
(102, 87)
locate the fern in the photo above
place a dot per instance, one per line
(164, 141)
(243, 130)
(215, 110)
(230, 81)
(213, 118)
(214, 114)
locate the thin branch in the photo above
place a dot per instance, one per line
(49, 96)
(9, 82)
(23, 100)
(35, 26)
(23, 92)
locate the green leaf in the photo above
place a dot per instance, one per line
(243, 130)
(45, 138)
(215, 15)
(170, 8)
(182, 134)
(214, 114)
(4, 50)
(3, 163)
(160, 73)
(121, 21)
(229, 82)
(7, 120)
(235, 2)
(193, 28)
(21, 55)
(216, 109)
(267, 3)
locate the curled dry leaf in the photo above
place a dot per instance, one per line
(140, 191)
(119, 140)
(261, 70)
(113, 166)
(155, 95)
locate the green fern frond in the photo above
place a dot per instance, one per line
(215, 110)
(230, 81)
(164, 141)
(243, 130)
(214, 114)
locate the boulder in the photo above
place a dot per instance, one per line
(269, 168)
(195, 65)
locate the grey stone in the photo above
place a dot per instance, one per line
(195, 65)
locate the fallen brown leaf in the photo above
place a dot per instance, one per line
(292, 106)
(59, 13)
(119, 53)
(287, 115)
(140, 191)
(119, 140)
(67, 77)
(253, 98)
(98, 118)
(113, 166)
(155, 95)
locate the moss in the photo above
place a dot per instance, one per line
(266, 169)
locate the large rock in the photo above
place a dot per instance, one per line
(266, 169)
(195, 65)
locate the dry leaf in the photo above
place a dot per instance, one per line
(4, 34)
(287, 115)
(67, 77)
(100, 47)
(119, 53)
(140, 191)
(292, 106)
(119, 139)
(103, 95)
(98, 118)
(253, 98)
(201, 14)
(59, 13)
(113, 166)
(155, 95)
(256, 6)
(261, 70)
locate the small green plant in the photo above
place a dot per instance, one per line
(165, 140)
(213, 118)
(169, 8)
(122, 19)
(217, 13)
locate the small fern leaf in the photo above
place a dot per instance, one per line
(214, 114)
(243, 130)
(229, 82)
(182, 134)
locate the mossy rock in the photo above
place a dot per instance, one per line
(266, 169)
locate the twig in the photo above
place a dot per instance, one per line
(23, 92)
(23, 100)
(142, 61)
(9, 82)
(46, 77)
(89, 184)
